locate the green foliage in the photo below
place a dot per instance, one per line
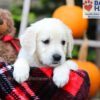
(32, 17)
(91, 53)
(17, 12)
(75, 51)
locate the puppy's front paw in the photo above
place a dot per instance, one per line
(72, 65)
(20, 75)
(61, 76)
(21, 72)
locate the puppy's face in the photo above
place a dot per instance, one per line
(49, 40)
(52, 47)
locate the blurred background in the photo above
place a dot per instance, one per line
(45, 8)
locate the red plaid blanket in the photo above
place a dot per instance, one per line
(41, 87)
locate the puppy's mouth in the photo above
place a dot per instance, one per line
(55, 63)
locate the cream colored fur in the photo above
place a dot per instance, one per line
(35, 53)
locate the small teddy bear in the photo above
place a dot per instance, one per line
(9, 46)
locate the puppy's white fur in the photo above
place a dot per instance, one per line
(35, 53)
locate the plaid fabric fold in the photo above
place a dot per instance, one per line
(40, 86)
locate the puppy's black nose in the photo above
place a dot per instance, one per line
(56, 57)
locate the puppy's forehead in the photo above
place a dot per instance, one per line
(53, 34)
(51, 27)
(53, 31)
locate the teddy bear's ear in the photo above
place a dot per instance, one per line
(28, 41)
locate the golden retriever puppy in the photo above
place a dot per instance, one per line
(46, 43)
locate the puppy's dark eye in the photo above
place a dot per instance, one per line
(46, 41)
(63, 42)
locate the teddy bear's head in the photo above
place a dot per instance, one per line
(6, 23)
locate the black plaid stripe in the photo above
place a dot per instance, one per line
(8, 84)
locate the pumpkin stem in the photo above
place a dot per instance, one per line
(83, 52)
(70, 2)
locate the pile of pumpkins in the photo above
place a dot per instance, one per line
(72, 17)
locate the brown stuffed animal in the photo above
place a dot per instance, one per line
(9, 46)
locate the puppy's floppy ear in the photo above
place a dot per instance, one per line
(69, 43)
(28, 40)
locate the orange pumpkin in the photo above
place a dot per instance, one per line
(72, 16)
(99, 79)
(93, 73)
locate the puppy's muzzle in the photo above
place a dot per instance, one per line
(56, 58)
